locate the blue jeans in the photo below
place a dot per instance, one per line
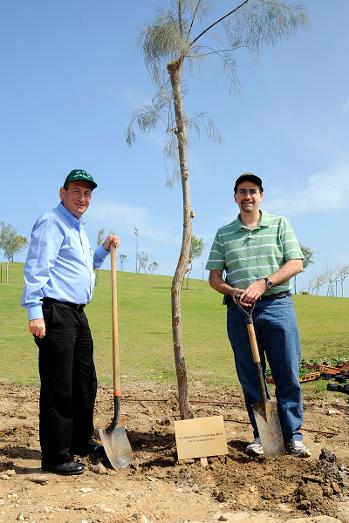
(278, 341)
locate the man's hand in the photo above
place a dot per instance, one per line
(253, 292)
(37, 327)
(110, 241)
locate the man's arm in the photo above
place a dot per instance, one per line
(45, 243)
(216, 281)
(285, 273)
(103, 250)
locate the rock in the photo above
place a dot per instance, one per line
(327, 491)
(222, 517)
(195, 488)
(327, 455)
(106, 510)
(336, 487)
(13, 497)
(4, 476)
(20, 517)
(309, 477)
(86, 489)
(305, 504)
(100, 468)
(143, 519)
(163, 421)
(2, 502)
(332, 412)
(10, 472)
(40, 480)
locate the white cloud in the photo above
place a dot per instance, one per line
(345, 106)
(324, 191)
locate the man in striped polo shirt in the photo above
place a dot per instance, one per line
(259, 254)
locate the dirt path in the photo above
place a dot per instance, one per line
(159, 488)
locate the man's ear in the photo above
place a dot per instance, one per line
(61, 193)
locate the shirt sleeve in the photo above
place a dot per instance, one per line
(291, 248)
(216, 260)
(99, 256)
(46, 240)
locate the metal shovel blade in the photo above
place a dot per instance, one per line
(268, 424)
(117, 446)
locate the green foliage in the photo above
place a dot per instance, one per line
(145, 331)
(196, 247)
(10, 241)
(308, 254)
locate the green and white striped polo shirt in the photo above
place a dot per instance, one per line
(248, 255)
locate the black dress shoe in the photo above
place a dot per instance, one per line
(66, 469)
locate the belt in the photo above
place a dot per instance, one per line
(277, 296)
(76, 306)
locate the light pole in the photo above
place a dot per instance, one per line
(136, 231)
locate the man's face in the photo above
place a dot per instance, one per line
(248, 197)
(76, 198)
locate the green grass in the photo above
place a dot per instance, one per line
(146, 336)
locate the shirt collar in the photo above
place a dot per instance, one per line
(73, 220)
(264, 221)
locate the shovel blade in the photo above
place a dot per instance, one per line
(117, 447)
(269, 428)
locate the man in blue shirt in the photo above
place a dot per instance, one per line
(59, 281)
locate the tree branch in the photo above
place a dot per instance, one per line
(193, 19)
(217, 22)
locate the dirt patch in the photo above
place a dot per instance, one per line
(156, 487)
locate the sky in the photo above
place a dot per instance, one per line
(72, 76)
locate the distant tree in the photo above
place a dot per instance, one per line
(318, 281)
(308, 258)
(176, 41)
(142, 258)
(10, 241)
(197, 246)
(123, 259)
(343, 273)
(100, 237)
(152, 267)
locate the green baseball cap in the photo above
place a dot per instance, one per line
(79, 175)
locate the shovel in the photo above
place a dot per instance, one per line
(114, 439)
(266, 411)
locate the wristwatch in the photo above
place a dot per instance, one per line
(268, 283)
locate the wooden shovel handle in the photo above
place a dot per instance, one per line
(253, 343)
(257, 361)
(115, 325)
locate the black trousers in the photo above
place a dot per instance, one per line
(68, 383)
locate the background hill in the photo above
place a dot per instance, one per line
(145, 330)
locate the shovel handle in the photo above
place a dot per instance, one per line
(115, 325)
(257, 361)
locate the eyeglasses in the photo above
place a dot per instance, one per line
(247, 192)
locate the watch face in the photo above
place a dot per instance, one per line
(269, 284)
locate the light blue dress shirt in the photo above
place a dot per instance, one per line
(60, 263)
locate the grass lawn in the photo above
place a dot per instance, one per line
(145, 330)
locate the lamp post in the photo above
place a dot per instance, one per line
(136, 231)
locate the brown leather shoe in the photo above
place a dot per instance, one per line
(66, 469)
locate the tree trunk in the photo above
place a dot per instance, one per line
(174, 70)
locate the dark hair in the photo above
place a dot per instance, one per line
(248, 177)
